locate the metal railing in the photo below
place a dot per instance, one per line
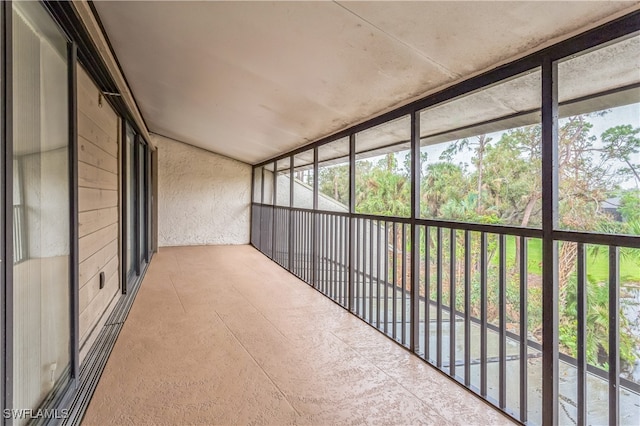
(459, 300)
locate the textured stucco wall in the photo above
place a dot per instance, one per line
(203, 198)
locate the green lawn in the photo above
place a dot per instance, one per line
(597, 261)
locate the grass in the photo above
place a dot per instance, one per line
(597, 261)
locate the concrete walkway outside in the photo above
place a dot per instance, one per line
(222, 335)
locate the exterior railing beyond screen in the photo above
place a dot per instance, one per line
(461, 319)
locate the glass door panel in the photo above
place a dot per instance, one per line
(131, 203)
(41, 334)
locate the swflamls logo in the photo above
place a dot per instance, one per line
(29, 414)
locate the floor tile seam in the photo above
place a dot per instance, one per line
(258, 365)
(260, 312)
(175, 290)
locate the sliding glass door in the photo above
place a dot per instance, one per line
(130, 202)
(41, 207)
(142, 230)
(137, 185)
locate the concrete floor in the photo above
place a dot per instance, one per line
(222, 335)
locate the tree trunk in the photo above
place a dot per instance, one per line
(481, 146)
(525, 221)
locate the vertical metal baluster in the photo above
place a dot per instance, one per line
(274, 231)
(524, 329)
(357, 274)
(414, 292)
(502, 308)
(303, 246)
(452, 303)
(467, 308)
(363, 272)
(345, 257)
(404, 283)
(323, 266)
(364, 268)
(299, 244)
(351, 256)
(427, 292)
(378, 260)
(386, 277)
(326, 241)
(303, 259)
(339, 263)
(483, 314)
(306, 237)
(327, 260)
(327, 253)
(307, 260)
(294, 235)
(394, 279)
(439, 298)
(299, 247)
(319, 242)
(347, 230)
(371, 271)
(336, 239)
(308, 250)
(333, 262)
(361, 269)
(614, 335)
(281, 232)
(340, 258)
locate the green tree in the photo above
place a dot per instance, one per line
(333, 181)
(383, 189)
(621, 142)
(443, 183)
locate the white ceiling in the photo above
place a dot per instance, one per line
(251, 80)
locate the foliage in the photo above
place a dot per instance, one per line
(333, 182)
(597, 326)
(497, 179)
(383, 189)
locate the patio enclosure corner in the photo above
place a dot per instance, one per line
(492, 228)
